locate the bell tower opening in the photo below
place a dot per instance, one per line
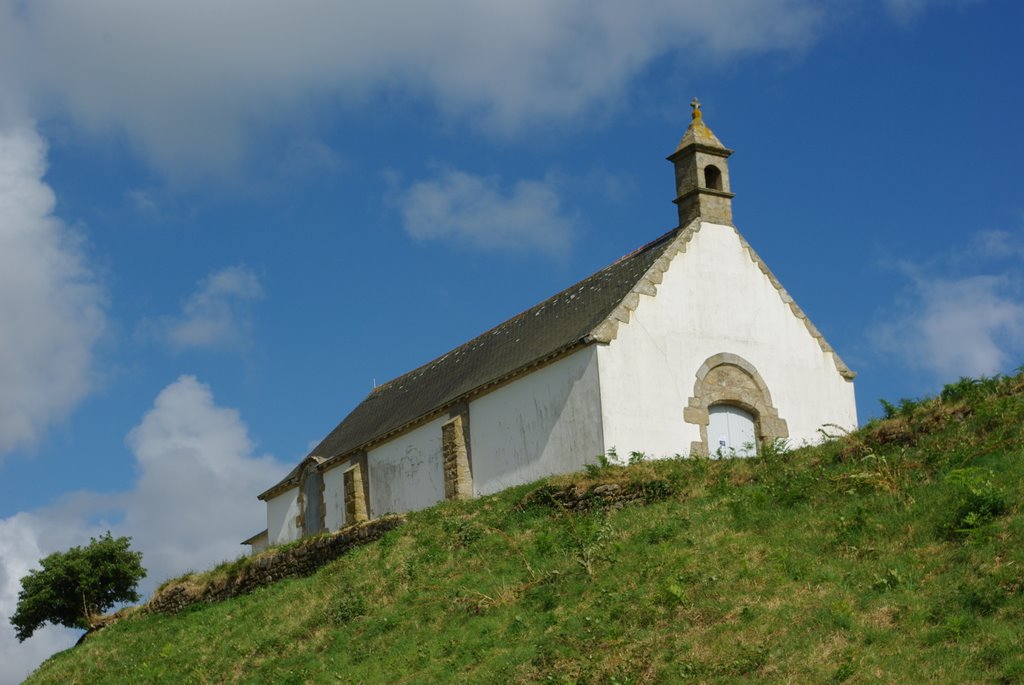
(712, 177)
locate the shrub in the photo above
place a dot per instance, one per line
(605, 462)
(462, 532)
(976, 500)
(346, 608)
(904, 409)
(970, 389)
(775, 449)
(636, 458)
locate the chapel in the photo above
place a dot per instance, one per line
(689, 345)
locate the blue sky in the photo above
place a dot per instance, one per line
(218, 228)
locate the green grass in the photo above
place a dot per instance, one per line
(894, 554)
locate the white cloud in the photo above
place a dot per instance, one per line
(963, 314)
(19, 550)
(215, 315)
(143, 201)
(51, 307)
(195, 499)
(474, 211)
(996, 244)
(193, 503)
(308, 156)
(968, 327)
(187, 81)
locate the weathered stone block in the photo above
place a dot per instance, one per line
(458, 482)
(696, 415)
(355, 498)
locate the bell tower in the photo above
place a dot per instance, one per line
(702, 174)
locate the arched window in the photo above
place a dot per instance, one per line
(712, 177)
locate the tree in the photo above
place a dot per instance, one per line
(75, 586)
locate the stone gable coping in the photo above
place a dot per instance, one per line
(608, 329)
(841, 367)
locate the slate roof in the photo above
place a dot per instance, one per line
(559, 323)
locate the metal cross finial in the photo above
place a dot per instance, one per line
(695, 103)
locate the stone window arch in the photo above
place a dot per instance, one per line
(729, 379)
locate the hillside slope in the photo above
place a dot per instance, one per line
(895, 554)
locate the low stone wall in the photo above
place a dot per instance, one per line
(576, 497)
(271, 566)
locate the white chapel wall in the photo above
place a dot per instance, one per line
(407, 473)
(713, 299)
(282, 512)
(546, 422)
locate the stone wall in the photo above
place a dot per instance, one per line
(302, 559)
(576, 497)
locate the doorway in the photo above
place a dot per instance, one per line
(732, 432)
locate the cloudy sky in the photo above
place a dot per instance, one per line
(221, 222)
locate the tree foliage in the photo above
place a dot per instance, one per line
(75, 586)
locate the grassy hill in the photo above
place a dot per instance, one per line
(894, 554)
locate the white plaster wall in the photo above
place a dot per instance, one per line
(334, 495)
(260, 544)
(281, 514)
(546, 422)
(713, 299)
(407, 473)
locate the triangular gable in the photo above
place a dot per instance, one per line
(606, 330)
